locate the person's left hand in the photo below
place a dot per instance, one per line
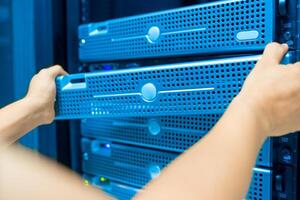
(42, 92)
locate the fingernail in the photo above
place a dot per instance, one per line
(285, 45)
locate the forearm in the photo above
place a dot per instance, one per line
(25, 175)
(35, 109)
(218, 167)
(17, 119)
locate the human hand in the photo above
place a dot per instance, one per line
(272, 92)
(42, 92)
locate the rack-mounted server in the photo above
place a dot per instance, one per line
(167, 107)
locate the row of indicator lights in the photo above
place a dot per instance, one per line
(102, 180)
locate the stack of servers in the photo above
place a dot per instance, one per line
(135, 121)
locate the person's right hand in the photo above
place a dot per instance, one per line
(42, 92)
(272, 91)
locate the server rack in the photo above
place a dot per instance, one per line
(278, 161)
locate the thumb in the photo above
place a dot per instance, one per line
(56, 70)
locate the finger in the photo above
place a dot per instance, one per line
(56, 70)
(274, 52)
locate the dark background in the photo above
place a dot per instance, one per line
(37, 34)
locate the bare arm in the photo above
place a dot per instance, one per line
(220, 165)
(217, 167)
(33, 110)
(24, 175)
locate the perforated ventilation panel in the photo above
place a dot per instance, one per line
(173, 133)
(116, 190)
(136, 167)
(130, 165)
(264, 157)
(260, 188)
(121, 192)
(219, 27)
(205, 87)
(261, 185)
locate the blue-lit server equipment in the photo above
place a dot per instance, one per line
(138, 114)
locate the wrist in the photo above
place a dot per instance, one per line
(37, 110)
(253, 111)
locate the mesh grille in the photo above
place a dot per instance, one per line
(116, 190)
(261, 185)
(177, 89)
(126, 164)
(225, 26)
(177, 133)
(122, 193)
(131, 166)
